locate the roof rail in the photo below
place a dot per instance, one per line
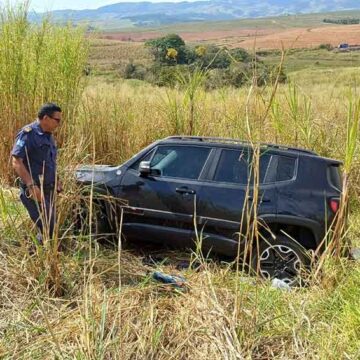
(236, 141)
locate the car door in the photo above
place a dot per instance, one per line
(227, 198)
(160, 207)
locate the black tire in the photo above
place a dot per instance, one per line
(100, 228)
(282, 258)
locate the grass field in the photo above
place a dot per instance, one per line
(293, 31)
(313, 59)
(108, 58)
(278, 22)
(91, 301)
(300, 35)
(259, 38)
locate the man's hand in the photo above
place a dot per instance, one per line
(35, 193)
(59, 187)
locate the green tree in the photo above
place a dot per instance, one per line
(159, 48)
(213, 57)
(240, 55)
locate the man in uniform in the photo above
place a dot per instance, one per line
(34, 161)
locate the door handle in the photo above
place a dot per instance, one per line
(185, 190)
(262, 200)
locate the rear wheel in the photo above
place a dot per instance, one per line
(282, 258)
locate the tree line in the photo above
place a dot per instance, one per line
(224, 67)
(348, 21)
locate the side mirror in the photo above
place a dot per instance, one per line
(145, 168)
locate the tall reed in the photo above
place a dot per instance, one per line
(38, 63)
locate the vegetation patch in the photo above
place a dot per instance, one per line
(347, 21)
(174, 59)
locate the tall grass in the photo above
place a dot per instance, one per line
(38, 63)
(139, 115)
(226, 315)
(351, 145)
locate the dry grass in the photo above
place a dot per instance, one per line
(111, 57)
(111, 309)
(223, 315)
(139, 114)
(97, 319)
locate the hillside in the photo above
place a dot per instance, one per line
(137, 14)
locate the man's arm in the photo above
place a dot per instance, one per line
(21, 171)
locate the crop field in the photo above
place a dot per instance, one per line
(293, 31)
(278, 22)
(260, 38)
(303, 38)
(88, 300)
(108, 58)
(313, 60)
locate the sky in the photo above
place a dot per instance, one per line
(49, 5)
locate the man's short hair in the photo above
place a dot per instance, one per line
(48, 109)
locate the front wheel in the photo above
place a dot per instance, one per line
(282, 258)
(98, 227)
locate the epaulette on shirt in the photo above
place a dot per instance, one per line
(27, 129)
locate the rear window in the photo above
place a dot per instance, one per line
(335, 176)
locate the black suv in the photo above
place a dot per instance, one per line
(180, 189)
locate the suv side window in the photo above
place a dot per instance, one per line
(184, 162)
(265, 163)
(285, 168)
(235, 166)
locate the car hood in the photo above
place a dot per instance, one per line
(97, 174)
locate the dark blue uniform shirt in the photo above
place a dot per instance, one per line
(38, 151)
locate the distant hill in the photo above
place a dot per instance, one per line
(155, 14)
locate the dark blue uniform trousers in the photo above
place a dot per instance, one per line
(42, 214)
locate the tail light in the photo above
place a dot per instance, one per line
(334, 204)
